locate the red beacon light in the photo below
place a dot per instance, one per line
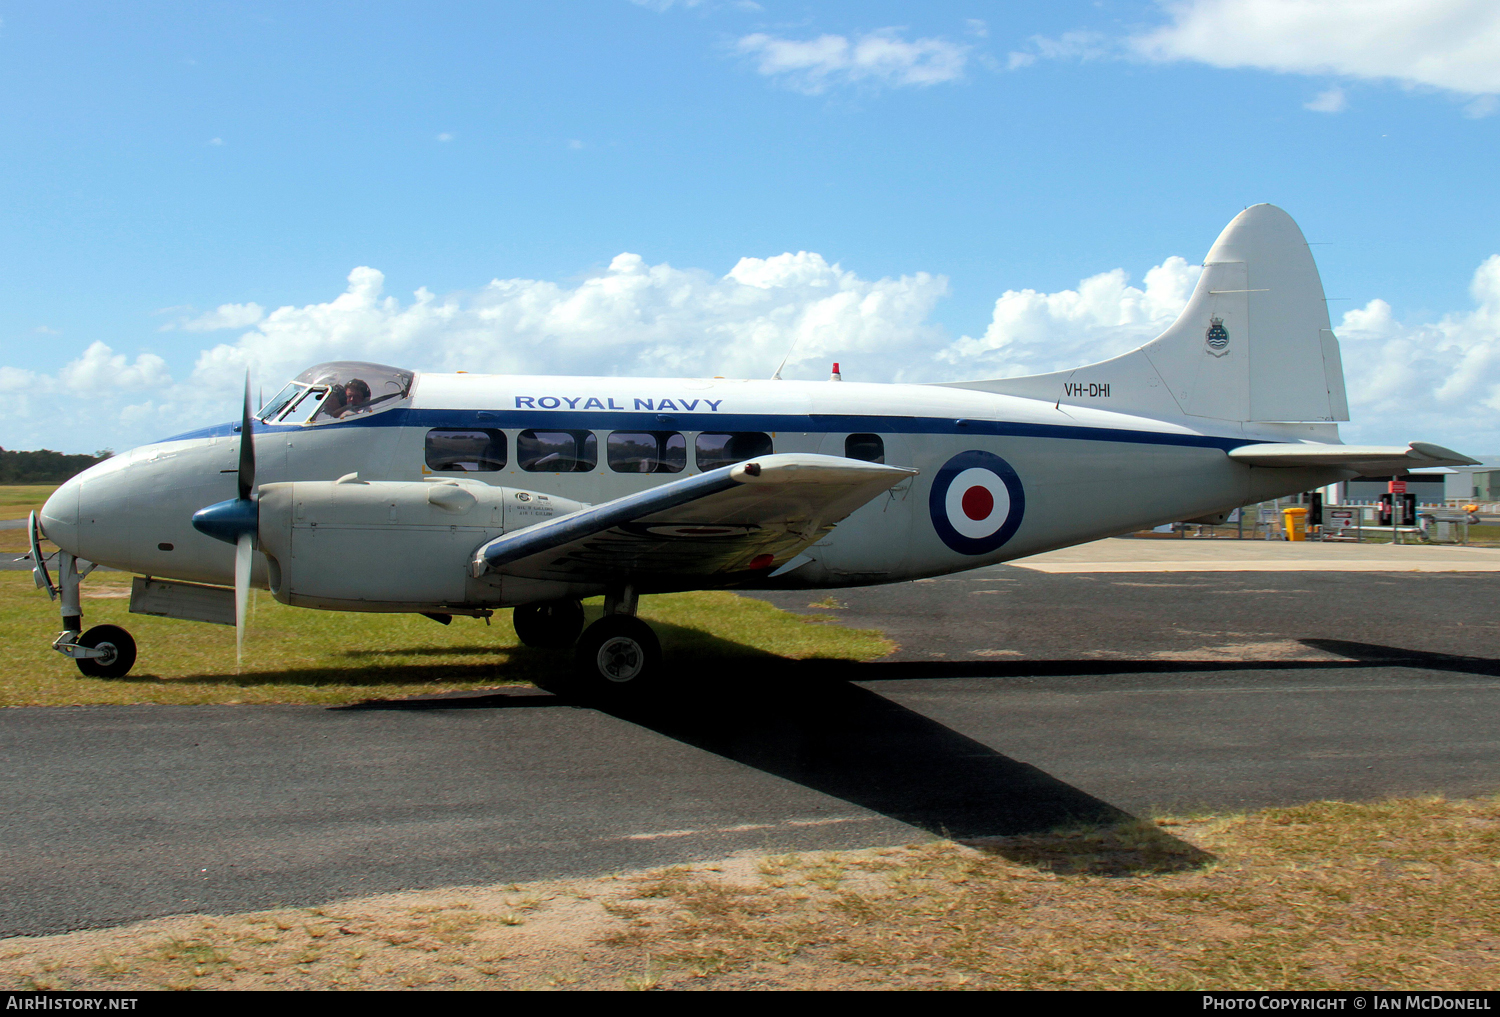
(835, 376)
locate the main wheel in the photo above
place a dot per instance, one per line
(618, 653)
(554, 625)
(119, 652)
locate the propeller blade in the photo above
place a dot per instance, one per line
(230, 520)
(247, 448)
(242, 551)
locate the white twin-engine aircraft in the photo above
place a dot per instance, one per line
(368, 488)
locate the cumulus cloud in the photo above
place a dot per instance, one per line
(1032, 332)
(881, 57)
(1438, 377)
(1452, 45)
(82, 401)
(100, 369)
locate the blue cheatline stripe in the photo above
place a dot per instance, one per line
(829, 423)
(587, 522)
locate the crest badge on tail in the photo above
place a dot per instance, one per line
(1216, 339)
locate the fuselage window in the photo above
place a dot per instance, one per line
(720, 448)
(557, 451)
(646, 452)
(866, 447)
(478, 450)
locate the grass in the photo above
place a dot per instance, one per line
(16, 502)
(18, 499)
(293, 655)
(1394, 895)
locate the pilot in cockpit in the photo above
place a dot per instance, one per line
(356, 397)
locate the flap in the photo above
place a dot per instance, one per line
(743, 519)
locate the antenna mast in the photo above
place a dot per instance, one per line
(795, 339)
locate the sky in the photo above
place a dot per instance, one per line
(923, 192)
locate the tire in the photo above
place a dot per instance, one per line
(107, 637)
(618, 655)
(554, 625)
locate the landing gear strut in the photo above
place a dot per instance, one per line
(104, 651)
(618, 653)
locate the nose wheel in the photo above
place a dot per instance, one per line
(104, 651)
(616, 655)
(116, 651)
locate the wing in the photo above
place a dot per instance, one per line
(1371, 460)
(741, 520)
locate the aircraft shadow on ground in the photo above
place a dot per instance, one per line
(817, 729)
(810, 723)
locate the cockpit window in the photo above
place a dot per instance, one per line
(338, 391)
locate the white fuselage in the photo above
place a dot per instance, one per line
(1083, 472)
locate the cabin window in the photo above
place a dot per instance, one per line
(646, 452)
(721, 448)
(470, 450)
(557, 451)
(865, 447)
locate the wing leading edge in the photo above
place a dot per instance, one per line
(1371, 460)
(743, 519)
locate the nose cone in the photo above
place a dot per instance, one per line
(60, 516)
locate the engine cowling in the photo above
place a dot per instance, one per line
(391, 545)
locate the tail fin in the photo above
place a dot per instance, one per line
(1253, 344)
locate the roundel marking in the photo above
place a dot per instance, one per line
(976, 502)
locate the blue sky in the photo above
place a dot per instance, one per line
(164, 162)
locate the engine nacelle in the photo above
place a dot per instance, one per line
(355, 545)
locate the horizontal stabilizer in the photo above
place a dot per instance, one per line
(746, 518)
(1372, 460)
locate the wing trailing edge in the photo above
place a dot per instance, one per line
(748, 519)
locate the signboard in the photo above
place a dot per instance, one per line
(1342, 517)
(1397, 487)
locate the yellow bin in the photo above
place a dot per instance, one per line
(1296, 522)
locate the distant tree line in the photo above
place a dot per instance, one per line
(45, 466)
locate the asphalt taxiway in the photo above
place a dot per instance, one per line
(1020, 698)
